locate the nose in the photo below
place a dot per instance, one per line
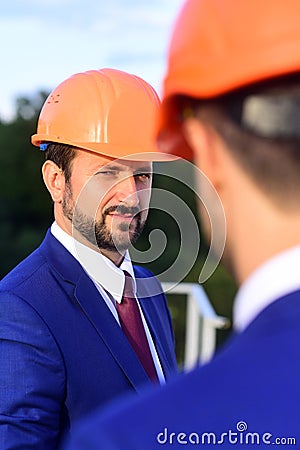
(127, 191)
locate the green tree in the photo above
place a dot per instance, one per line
(25, 206)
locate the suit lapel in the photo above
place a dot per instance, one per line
(109, 330)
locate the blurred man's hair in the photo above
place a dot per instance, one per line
(261, 129)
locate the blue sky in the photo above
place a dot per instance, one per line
(45, 41)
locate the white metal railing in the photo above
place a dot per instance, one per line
(202, 323)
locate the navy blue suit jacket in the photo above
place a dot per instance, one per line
(247, 396)
(62, 352)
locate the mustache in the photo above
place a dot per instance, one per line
(122, 209)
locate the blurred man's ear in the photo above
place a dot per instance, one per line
(206, 146)
(54, 180)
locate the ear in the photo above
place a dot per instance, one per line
(54, 180)
(206, 146)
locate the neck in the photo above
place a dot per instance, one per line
(114, 256)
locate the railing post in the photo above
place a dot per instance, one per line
(208, 341)
(192, 334)
(201, 323)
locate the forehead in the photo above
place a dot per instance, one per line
(93, 162)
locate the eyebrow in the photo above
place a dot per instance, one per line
(121, 168)
(110, 167)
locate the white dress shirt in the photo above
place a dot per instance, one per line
(108, 279)
(275, 278)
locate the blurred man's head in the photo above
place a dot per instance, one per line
(232, 104)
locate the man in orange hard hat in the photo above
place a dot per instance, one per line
(232, 103)
(79, 324)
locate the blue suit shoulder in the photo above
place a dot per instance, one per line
(148, 285)
(23, 271)
(141, 272)
(32, 366)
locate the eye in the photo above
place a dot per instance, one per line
(107, 173)
(144, 177)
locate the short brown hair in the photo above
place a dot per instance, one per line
(62, 155)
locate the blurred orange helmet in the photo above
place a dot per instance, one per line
(219, 46)
(105, 111)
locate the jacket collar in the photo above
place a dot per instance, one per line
(98, 267)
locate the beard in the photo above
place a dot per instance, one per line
(96, 231)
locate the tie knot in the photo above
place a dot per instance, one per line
(128, 286)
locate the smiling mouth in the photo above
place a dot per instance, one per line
(122, 212)
(127, 217)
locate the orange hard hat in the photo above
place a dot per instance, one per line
(220, 46)
(105, 111)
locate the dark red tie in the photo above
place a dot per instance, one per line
(133, 328)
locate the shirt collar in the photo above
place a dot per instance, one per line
(98, 267)
(277, 277)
